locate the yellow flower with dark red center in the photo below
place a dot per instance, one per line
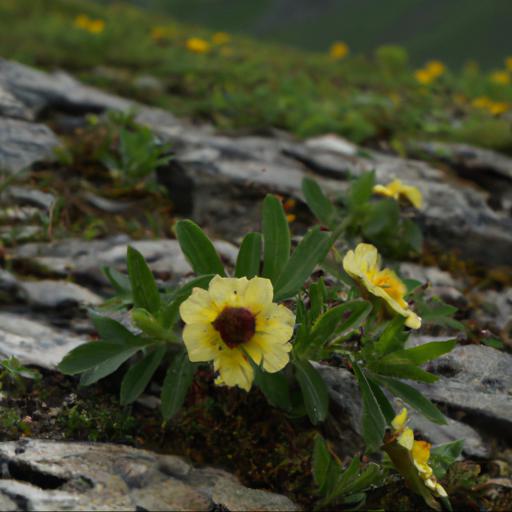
(233, 319)
(398, 190)
(501, 77)
(338, 50)
(363, 265)
(220, 38)
(419, 452)
(197, 45)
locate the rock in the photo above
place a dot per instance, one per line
(31, 196)
(46, 475)
(11, 107)
(107, 205)
(23, 144)
(345, 396)
(475, 379)
(149, 84)
(85, 259)
(34, 342)
(57, 294)
(495, 311)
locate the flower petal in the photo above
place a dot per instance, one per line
(276, 321)
(258, 294)
(198, 308)
(202, 342)
(234, 369)
(227, 291)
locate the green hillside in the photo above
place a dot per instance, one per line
(452, 30)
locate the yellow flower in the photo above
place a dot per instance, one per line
(419, 452)
(508, 63)
(363, 265)
(197, 45)
(96, 26)
(481, 102)
(338, 50)
(498, 107)
(220, 38)
(435, 68)
(397, 190)
(235, 318)
(423, 76)
(82, 21)
(500, 77)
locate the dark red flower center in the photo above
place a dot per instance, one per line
(235, 325)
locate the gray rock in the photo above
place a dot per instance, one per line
(46, 475)
(23, 143)
(11, 107)
(57, 294)
(476, 379)
(495, 310)
(31, 196)
(34, 342)
(86, 258)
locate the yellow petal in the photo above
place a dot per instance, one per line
(198, 308)
(227, 291)
(276, 358)
(234, 369)
(365, 259)
(202, 342)
(406, 439)
(276, 321)
(258, 294)
(400, 420)
(421, 452)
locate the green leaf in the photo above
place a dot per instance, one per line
(381, 218)
(120, 282)
(361, 190)
(317, 296)
(374, 422)
(321, 461)
(144, 289)
(198, 249)
(312, 249)
(340, 320)
(385, 406)
(275, 388)
(112, 331)
(444, 455)
(176, 383)
(393, 337)
(494, 343)
(92, 354)
(402, 371)
(276, 238)
(138, 376)
(414, 398)
(314, 391)
(317, 202)
(421, 354)
(249, 256)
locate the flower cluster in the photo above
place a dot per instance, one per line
(397, 190)
(233, 320)
(494, 108)
(363, 265)
(419, 451)
(428, 74)
(93, 26)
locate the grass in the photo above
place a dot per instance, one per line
(252, 86)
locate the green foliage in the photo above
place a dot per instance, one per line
(14, 375)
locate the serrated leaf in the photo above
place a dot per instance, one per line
(374, 422)
(318, 202)
(311, 251)
(198, 249)
(414, 398)
(138, 376)
(276, 238)
(314, 391)
(176, 383)
(144, 289)
(249, 256)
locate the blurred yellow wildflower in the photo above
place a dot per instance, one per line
(508, 63)
(338, 50)
(494, 108)
(92, 26)
(435, 68)
(397, 190)
(158, 33)
(197, 45)
(363, 265)
(235, 318)
(423, 76)
(500, 77)
(220, 38)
